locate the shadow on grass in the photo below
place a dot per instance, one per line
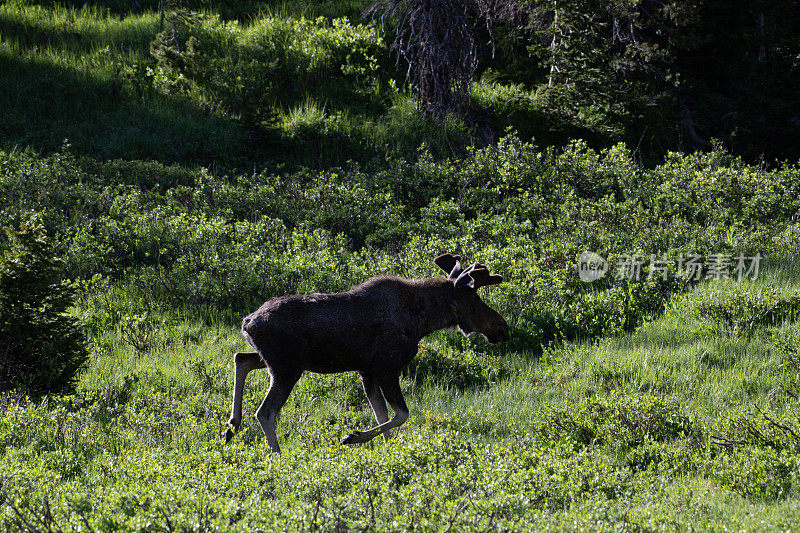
(117, 114)
(547, 127)
(113, 112)
(45, 104)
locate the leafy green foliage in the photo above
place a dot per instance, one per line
(190, 237)
(462, 369)
(621, 420)
(743, 311)
(41, 347)
(181, 202)
(244, 71)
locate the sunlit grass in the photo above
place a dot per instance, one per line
(178, 389)
(86, 74)
(567, 435)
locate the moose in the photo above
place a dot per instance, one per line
(373, 329)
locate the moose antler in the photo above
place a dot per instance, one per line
(450, 263)
(483, 278)
(479, 274)
(476, 272)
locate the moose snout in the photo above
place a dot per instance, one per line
(499, 334)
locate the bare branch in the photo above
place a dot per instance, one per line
(435, 39)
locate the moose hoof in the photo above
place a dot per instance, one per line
(353, 438)
(228, 435)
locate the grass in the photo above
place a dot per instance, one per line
(681, 355)
(76, 73)
(86, 74)
(665, 425)
(577, 438)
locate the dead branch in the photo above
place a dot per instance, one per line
(435, 39)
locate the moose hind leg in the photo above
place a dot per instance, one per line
(390, 387)
(376, 401)
(244, 362)
(280, 387)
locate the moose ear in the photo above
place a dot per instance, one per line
(450, 264)
(483, 278)
(463, 278)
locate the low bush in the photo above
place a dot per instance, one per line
(742, 311)
(460, 370)
(189, 237)
(249, 72)
(625, 420)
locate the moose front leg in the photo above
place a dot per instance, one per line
(244, 362)
(281, 385)
(390, 387)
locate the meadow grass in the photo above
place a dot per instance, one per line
(576, 438)
(86, 74)
(608, 410)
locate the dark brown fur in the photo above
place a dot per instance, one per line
(374, 329)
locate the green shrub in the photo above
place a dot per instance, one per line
(626, 420)
(246, 71)
(758, 472)
(460, 370)
(192, 236)
(788, 351)
(41, 347)
(742, 311)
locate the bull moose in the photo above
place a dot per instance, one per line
(373, 329)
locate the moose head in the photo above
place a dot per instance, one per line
(471, 313)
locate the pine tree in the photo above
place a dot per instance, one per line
(41, 347)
